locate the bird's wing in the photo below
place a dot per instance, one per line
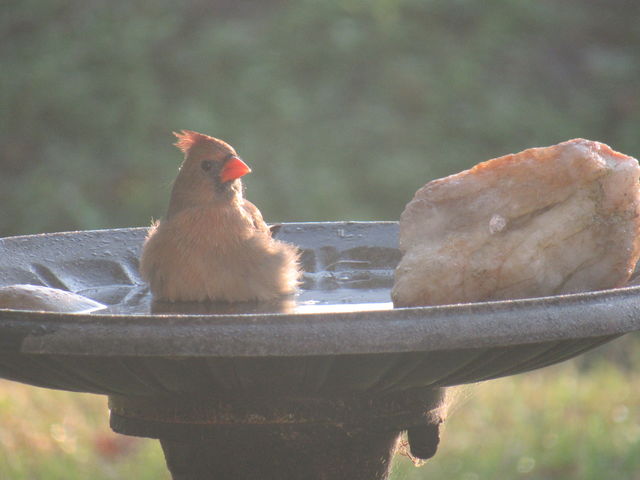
(255, 215)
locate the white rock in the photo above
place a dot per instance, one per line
(545, 221)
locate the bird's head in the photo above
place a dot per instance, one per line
(210, 172)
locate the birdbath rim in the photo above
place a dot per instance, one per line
(588, 315)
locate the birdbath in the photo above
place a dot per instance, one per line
(318, 386)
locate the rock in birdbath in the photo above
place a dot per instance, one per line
(45, 299)
(545, 221)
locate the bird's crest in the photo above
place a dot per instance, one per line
(188, 140)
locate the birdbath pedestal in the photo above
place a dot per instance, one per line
(257, 437)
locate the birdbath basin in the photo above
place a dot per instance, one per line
(317, 386)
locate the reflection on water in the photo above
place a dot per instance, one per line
(136, 300)
(220, 308)
(249, 308)
(340, 308)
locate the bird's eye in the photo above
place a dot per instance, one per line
(206, 165)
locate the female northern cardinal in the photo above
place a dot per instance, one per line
(214, 244)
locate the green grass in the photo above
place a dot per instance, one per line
(577, 420)
(54, 435)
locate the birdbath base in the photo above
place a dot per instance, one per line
(282, 437)
(316, 453)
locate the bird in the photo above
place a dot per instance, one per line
(213, 244)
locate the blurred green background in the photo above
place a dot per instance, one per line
(343, 109)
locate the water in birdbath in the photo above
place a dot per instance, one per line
(347, 267)
(136, 300)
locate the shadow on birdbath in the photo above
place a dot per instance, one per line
(317, 386)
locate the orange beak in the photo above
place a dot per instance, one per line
(233, 168)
